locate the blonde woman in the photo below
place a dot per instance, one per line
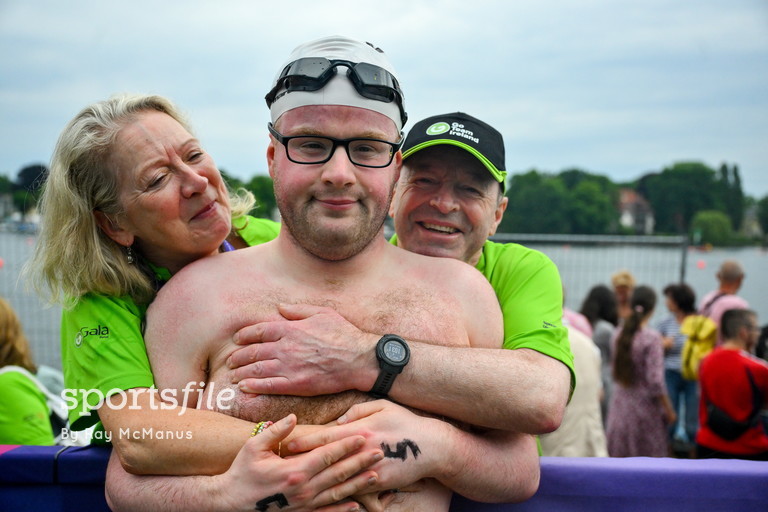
(131, 198)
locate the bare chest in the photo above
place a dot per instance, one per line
(411, 312)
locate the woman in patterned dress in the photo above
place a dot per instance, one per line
(640, 408)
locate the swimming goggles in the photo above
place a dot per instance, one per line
(312, 73)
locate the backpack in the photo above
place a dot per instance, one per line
(701, 334)
(722, 424)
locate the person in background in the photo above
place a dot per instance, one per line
(623, 284)
(730, 277)
(581, 433)
(575, 320)
(734, 390)
(761, 350)
(684, 394)
(600, 309)
(24, 412)
(640, 407)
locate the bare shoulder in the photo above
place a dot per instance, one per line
(447, 273)
(189, 313)
(461, 287)
(181, 294)
(208, 278)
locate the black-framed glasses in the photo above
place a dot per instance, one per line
(312, 73)
(317, 149)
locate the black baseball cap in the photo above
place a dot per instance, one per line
(462, 130)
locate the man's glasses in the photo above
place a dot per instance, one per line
(314, 149)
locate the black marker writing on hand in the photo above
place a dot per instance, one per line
(401, 450)
(263, 505)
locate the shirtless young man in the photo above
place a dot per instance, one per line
(331, 252)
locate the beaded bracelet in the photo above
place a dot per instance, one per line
(260, 427)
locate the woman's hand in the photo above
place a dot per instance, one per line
(320, 478)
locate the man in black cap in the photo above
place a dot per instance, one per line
(448, 202)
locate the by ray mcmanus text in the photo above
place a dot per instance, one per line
(126, 433)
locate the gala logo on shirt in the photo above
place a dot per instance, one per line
(102, 331)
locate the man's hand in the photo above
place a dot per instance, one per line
(414, 446)
(313, 351)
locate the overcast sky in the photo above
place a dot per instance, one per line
(617, 88)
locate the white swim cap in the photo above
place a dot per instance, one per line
(311, 76)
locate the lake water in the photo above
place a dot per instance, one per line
(581, 268)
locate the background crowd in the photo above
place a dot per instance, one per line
(648, 404)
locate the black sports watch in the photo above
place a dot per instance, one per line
(393, 354)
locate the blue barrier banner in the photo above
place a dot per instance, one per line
(58, 479)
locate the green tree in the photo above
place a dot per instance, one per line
(592, 211)
(762, 214)
(6, 185)
(591, 202)
(31, 177)
(28, 186)
(678, 192)
(732, 196)
(574, 201)
(232, 182)
(537, 204)
(711, 227)
(263, 189)
(571, 178)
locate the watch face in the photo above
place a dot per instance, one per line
(394, 351)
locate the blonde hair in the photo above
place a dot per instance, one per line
(73, 255)
(623, 278)
(14, 347)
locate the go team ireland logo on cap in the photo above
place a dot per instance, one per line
(464, 131)
(438, 128)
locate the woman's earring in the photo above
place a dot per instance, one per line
(129, 255)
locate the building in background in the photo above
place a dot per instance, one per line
(635, 212)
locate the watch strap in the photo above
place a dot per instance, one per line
(383, 384)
